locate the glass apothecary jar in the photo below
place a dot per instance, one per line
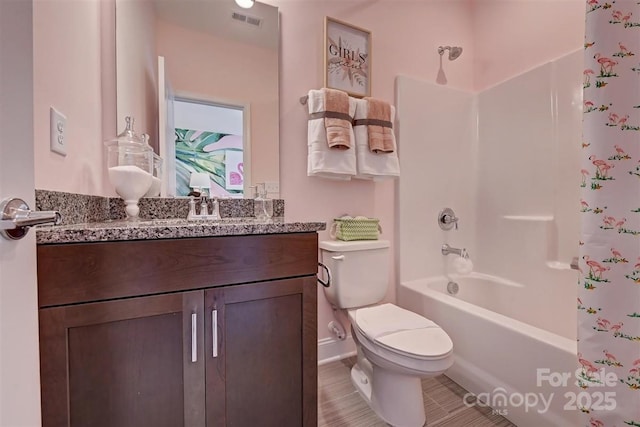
(130, 167)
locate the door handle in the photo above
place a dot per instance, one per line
(16, 218)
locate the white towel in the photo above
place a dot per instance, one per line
(376, 166)
(323, 161)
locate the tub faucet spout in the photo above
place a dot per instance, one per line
(446, 250)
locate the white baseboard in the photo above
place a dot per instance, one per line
(331, 349)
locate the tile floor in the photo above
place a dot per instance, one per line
(339, 404)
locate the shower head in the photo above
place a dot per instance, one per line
(454, 51)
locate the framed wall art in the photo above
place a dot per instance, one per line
(347, 58)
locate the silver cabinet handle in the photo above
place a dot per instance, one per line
(214, 328)
(16, 218)
(194, 337)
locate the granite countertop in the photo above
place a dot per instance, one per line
(108, 231)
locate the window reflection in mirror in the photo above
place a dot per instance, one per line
(209, 139)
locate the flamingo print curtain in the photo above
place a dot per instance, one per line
(609, 287)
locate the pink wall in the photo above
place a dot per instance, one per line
(514, 36)
(228, 71)
(137, 68)
(67, 76)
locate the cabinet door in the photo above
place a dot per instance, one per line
(133, 362)
(261, 357)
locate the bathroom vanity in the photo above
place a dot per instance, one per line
(214, 330)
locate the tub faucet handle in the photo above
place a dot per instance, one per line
(447, 219)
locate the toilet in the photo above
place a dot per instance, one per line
(396, 347)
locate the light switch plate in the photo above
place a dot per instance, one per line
(58, 137)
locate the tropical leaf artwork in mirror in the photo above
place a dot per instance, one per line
(213, 153)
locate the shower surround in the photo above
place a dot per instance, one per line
(507, 161)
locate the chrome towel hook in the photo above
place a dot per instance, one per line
(328, 282)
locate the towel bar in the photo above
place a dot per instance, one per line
(304, 99)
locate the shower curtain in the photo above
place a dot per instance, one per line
(608, 371)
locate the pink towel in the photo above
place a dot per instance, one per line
(379, 126)
(336, 119)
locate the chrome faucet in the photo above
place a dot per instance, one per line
(446, 250)
(204, 208)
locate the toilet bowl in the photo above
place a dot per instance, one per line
(396, 347)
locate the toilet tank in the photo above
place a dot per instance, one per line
(359, 271)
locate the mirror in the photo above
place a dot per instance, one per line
(206, 53)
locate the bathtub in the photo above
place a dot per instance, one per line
(524, 372)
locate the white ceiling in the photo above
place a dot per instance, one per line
(214, 17)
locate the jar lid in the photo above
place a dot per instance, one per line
(128, 135)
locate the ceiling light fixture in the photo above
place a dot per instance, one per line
(246, 4)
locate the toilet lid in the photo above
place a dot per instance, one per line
(403, 331)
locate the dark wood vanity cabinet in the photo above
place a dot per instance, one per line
(119, 363)
(218, 331)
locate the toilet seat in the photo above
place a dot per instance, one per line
(402, 332)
